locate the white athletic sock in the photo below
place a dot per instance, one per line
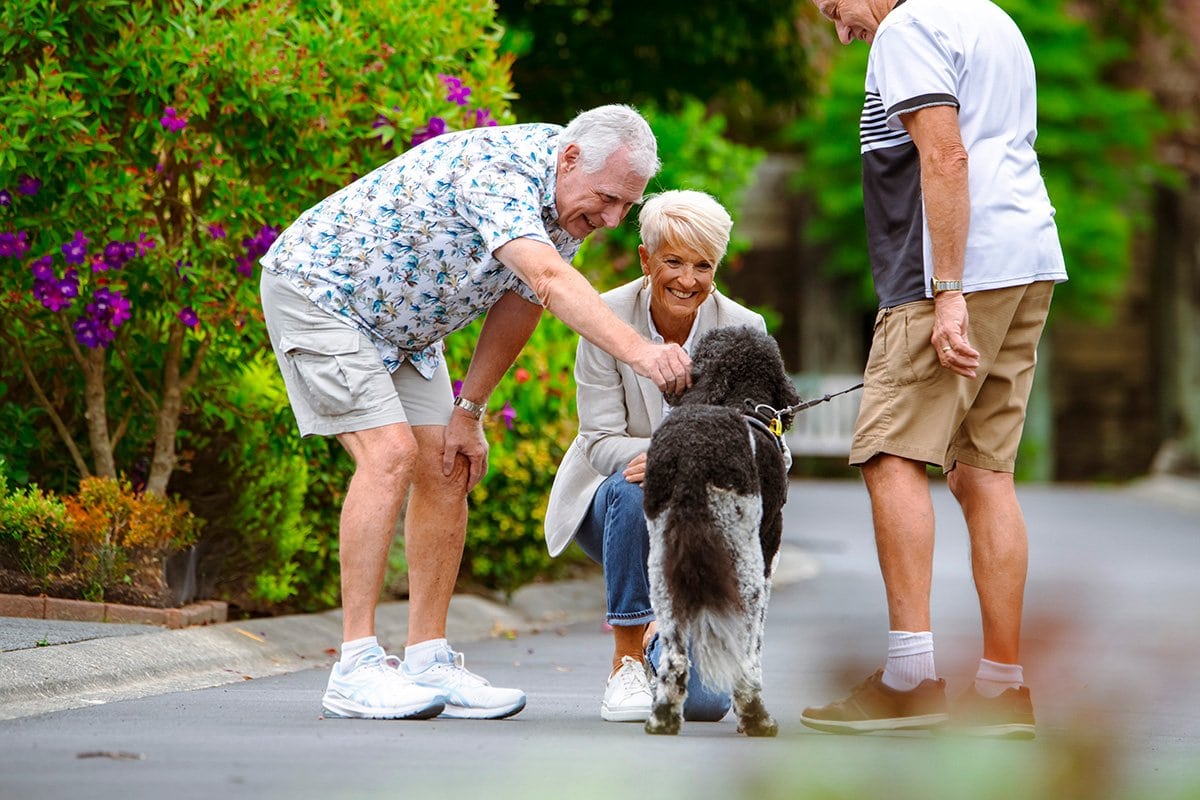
(353, 650)
(994, 678)
(909, 660)
(419, 656)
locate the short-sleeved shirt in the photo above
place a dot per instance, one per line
(405, 253)
(968, 54)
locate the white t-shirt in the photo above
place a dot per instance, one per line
(968, 54)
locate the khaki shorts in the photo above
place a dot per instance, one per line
(915, 408)
(336, 381)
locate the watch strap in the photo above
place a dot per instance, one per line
(474, 409)
(938, 286)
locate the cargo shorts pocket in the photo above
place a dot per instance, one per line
(330, 368)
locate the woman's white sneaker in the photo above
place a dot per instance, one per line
(627, 697)
(375, 688)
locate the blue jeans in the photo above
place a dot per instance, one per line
(613, 534)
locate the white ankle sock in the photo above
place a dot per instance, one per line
(353, 650)
(994, 678)
(419, 656)
(909, 660)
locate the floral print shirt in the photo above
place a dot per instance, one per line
(404, 254)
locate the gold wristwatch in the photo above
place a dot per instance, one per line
(940, 286)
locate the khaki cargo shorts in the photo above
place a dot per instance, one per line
(336, 381)
(915, 408)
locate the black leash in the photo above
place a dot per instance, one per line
(776, 416)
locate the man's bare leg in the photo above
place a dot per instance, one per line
(903, 514)
(435, 528)
(999, 555)
(383, 466)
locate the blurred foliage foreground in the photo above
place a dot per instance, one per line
(152, 153)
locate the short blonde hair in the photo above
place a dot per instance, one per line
(689, 218)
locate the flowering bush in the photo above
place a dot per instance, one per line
(152, 154)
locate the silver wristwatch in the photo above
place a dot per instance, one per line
(945, 286)
(474, 409)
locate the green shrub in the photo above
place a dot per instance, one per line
(35, 532)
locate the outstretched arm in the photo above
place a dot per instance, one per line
(567, 295)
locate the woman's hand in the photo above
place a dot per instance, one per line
(635, 470)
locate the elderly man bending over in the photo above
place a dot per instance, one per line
(358, 295)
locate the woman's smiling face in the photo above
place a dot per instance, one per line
(680, 281)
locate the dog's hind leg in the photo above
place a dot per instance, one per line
(670, 690)
(753, 717)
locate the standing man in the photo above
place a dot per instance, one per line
(965, 254)
(358, 295)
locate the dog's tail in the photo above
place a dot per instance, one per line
(701, 575)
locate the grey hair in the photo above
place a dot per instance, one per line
(684, 217)
(604, 130)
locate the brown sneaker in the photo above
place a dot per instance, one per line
(1006, 716)
(872, 706)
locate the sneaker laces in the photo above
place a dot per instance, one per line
(628, 673)
(456, 673)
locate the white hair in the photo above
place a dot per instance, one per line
(604, 130)
(684, 217)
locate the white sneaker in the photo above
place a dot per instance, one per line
(627, 697)
(468, 696)
(376, 689)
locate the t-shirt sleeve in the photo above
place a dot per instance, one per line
(914, 67)
(502, 201)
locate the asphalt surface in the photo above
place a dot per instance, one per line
(1111, 646)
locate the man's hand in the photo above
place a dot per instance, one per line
(950, 334)
(464, 437)
(668, 365)
(635, 470)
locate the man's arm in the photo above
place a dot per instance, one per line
(567, 295)
(506, 329)
(947, 199)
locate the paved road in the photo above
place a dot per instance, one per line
(1111, 653)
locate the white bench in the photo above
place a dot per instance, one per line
(824, 429)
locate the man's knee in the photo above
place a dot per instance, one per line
(969, 483)
(387, 454)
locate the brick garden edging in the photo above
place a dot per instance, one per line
(43, 607)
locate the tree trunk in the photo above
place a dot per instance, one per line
(163, 463)
(97, 413)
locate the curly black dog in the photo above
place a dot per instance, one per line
(716, 482)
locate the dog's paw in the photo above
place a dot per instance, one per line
(762, 726)
(663, 724)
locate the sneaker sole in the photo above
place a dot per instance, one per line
(924, 722)
(624, 714)
(1014, 730)
(339, 708)
(453, 711)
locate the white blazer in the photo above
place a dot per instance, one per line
(618, 409)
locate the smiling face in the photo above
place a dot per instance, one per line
(855, 20)
(587, 201)
(680, 281)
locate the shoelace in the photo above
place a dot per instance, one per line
(457, 673)
(628, 677)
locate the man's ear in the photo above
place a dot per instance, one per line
(569, 158)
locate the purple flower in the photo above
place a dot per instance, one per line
(87, 332)
(14, 245)
(217, 231)
(28, 185)
(483, 118)
(75, 251)
(145, 244)
(5, 198)
(188, 317)
(114, 257)
(457, 387)
(256, 247)
(43, 269)
(380, 121)
(508, 414)
(50, 292)
(171, 121)
(436, 127)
